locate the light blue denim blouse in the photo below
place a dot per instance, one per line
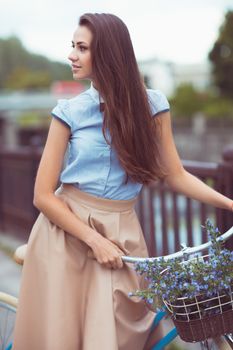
(91, 164)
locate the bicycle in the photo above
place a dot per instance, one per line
(185, 253)
(8, 304)
(8, 307)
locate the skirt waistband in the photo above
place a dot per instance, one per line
(97, 202)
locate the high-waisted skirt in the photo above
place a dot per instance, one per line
(67, 300)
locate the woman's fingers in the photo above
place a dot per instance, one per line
(117, 263)
(111, 262)
(107, 253)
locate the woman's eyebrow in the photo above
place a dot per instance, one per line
(79, 42)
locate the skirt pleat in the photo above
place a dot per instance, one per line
(68, 300)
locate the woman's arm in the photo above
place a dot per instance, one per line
(56, 210)
(47, 178)
(180, 180)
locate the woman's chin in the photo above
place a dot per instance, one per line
(78, 76)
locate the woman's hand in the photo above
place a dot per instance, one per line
(105, 252)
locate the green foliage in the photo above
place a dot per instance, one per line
(172, 279)
(218, 107)
(33, 118)
(221, 57)
(187, 101)
(11, 53)
(20, 69)
(22, 78)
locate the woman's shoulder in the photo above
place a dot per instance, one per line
(81, 100)
(71, 110)
(77, 101)
(158, 101)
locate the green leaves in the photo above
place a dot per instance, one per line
(173, 279)
(221, 57)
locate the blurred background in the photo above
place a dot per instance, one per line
(183, 48)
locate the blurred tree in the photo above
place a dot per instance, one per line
(221, 57)
(14, 58)
(187, 101)
(23, 78)
(11, 53)
(218, 108)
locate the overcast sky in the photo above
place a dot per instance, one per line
(181, 31)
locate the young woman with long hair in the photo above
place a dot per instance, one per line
(74, 288)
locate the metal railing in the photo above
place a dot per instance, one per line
(167, 218)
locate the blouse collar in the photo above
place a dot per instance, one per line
(95, 94)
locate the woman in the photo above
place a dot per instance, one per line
(120, 137)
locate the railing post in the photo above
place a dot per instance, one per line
(228, 186)
(1, 199)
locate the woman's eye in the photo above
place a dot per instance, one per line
(81, 48)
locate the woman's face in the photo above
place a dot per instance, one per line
(80, 55)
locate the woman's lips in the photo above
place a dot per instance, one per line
(76, 67)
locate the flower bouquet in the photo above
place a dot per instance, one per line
(197, 292)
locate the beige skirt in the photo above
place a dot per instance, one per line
(67, 300)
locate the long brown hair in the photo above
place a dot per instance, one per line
(127, 116)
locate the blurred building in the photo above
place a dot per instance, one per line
(167, 76)
(158, 75)
(199, 75)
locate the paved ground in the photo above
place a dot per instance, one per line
(10, 274)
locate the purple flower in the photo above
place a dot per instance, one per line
(150, 301)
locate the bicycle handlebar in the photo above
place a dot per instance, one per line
(184, 251)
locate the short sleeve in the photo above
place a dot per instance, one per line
(157, 101)
(62, 112)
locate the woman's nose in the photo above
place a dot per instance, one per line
(72, 56)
